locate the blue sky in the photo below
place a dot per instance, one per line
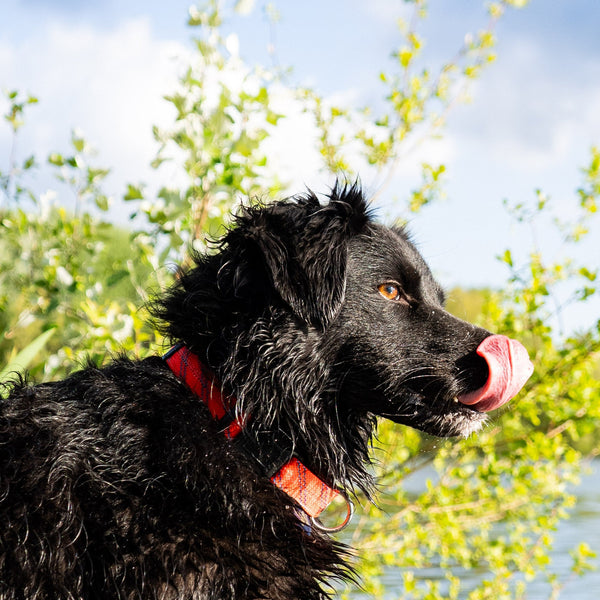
(104, 66)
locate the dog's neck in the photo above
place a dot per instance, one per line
(275, 458)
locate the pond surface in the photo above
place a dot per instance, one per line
(583, 526)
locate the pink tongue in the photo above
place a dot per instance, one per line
(509, 367)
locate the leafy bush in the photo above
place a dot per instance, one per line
(490, 503)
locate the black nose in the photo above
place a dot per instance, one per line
(472, 371)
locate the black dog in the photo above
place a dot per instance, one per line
(120, 482)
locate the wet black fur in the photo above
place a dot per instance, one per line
(117, 483)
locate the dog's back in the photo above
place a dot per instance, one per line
(116, 483)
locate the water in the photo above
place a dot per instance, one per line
(583, 526)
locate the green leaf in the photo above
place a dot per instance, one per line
(134, 192)
(78, 143)
(56, 159)
(116, 277)
(29, 163)
(24, 358)
(102, 202)
(507, 258)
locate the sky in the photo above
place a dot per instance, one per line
(104, 66)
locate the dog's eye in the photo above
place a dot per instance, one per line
(391, 291)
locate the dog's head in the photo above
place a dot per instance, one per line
(418, 364)
(339, 317)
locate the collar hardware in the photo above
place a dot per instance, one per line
(317, 524)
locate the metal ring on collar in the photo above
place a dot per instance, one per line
(349, 513)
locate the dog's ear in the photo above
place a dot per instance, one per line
(304, 246)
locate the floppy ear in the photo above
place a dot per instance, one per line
(304, 246)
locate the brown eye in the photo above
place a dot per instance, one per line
(390, 291)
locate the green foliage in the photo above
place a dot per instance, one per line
(488, 505)
(9, 181)
(18, 362)
(17, 108)
(223, 115)
(67, 270)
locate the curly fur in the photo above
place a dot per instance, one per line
(116, 483)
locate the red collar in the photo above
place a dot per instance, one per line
(312, 494)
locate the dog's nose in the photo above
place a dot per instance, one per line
(509, 368)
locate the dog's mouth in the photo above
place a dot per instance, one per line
(440, 412)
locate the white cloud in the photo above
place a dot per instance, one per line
(108, 83)
(386, 12)
(292, 147)
(530, 113)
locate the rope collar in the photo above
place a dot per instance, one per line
(288, 474)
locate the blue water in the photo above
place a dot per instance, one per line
(582, 526)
